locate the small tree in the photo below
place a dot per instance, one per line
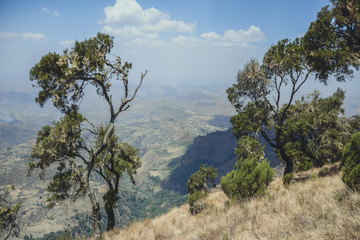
(252, 172)
(198, 186)
(351, 163)
(8, 214)
(77, 146)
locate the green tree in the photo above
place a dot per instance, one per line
(351, 162)
(313, 132)
(252, 172)
(307, 132)
(198, 186)
(333, 40)
(8, 214)
(79, 148)
(259, 94)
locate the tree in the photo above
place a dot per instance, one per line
(8, 214)
(333, 40)
(351, 163)
(198, 186)
(259, 93)
(252, 172)
(305, 132)
(78, 147)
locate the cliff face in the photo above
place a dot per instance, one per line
(215, 149)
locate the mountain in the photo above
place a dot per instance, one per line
(160, 125)
(215, 149)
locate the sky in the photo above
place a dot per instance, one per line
(187, 42)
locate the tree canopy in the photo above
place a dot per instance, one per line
(333, 40)
(351, 163)
(8, 215)
(198, 186)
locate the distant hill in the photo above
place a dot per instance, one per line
(215, 149)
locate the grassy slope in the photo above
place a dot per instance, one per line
(321, 208)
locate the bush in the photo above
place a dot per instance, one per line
(351, 163)
(288, 178)
(202, 179)
(250, 178)
(197, 202)
(198, 186)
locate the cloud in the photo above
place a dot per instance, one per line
(67, 43)
(26, 36)
(136, 26)
(236, 38)
(127, 16)
(230, 38)
(56, 14)
(46, 10)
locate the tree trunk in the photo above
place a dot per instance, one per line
(110, 199)
(96, 221)
(288, 167)
(96, 215)
(111, 218)
(289, 164)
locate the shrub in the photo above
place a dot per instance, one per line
(288, 178)
(198, 186)
(351, 162)
(197, 202)
(250, 178)
(202, 179)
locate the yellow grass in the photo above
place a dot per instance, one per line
(317, 209)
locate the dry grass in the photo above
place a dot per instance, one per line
(317, 209)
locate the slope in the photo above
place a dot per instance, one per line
(320, 208)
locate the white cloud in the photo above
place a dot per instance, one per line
(56, 14)
(231, 38)
(135, 25)
(67, 43)
(152, 39)
(28, 35)
(44, 9)
(125, 32)
(128, 16)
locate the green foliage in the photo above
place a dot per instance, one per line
(288, 179)
(249, 180)
(8, 214)
(197, 202)
(313, 132)
(198, 187)
(252, 173)
(351, 163)
(200, 180)
(332, 40)
(63, 78)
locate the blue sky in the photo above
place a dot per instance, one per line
(179, 42)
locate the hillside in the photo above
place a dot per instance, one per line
(320, 208)
(162, 123)
(215, 149)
